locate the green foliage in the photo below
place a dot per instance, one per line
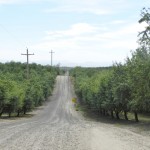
(123, 87)
(20, 95)
(145, 35)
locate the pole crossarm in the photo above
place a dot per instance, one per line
(27, 54)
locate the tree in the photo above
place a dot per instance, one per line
(20, 95)
(144, 39)
(139, 78)
(3, 95)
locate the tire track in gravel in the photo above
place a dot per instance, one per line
(52, 128)
(59, 127)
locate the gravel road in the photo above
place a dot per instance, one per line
(57, 126)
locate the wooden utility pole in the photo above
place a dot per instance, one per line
(27, 54)
(51, 57)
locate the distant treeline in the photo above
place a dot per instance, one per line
(123, 87)
(18, 94)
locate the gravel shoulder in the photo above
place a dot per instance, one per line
(57, 126)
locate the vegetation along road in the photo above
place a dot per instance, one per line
(57, 126)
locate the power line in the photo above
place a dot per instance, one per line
(27, 54)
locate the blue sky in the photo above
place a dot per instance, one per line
(80, 32)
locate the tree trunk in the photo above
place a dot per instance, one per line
(107, 114)
(24, 111)
(9, 114)
(117, 115)
(1, 112)
(136, 116)
(101, 112)
(104, 112)
(18, 113)
(112, 114)
(125, 115)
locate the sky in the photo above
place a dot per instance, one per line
(88, 33)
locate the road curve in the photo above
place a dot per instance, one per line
(57, 126)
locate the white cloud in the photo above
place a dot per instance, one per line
(96, 7)
(124, 32)
(79, 9)
(117, 22)
(83, 42)
(86, 44)
(106, 40)
(75, 30)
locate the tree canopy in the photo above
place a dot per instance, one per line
(123, 87)
(18, 94)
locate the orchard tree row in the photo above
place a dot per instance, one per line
(18, 94)
(123, 87)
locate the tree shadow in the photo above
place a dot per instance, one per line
(14, 117)
(142, 127)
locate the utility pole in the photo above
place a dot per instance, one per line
(51, 57)
(27, 54)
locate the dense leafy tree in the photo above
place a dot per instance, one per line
(122, 88)
(20, 95)
(144, 39)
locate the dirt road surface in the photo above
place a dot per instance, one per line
(57, 126)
